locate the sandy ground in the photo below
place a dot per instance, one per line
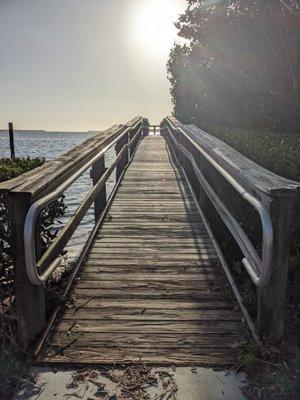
(136, 383)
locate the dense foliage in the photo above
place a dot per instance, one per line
(238, 66)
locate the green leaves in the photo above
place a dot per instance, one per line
(10, 168)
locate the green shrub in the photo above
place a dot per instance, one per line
(10, 168)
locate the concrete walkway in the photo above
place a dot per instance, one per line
(182, 383)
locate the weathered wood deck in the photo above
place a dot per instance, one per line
(151, 289)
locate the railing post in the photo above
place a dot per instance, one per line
(181, 156)
(132, 147)
(145, 128)
(124, 159)
(186, 163)
(30, 301)
(272, 298)
(98, 169)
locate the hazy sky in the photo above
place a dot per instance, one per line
(84, 64)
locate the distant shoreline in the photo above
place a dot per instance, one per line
(44, 131)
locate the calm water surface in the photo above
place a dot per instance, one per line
(50, 145)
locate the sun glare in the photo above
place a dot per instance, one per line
(153, 24)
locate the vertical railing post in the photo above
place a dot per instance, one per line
(124, 159)
(145, 127)
(272, 298)
(132, 147)
(98, 169)
(180, 155)
(30, 301)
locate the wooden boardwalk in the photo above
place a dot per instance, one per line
(151, 289)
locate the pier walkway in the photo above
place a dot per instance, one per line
(151, 288)
(152, 284)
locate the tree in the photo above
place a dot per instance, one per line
(238, 66)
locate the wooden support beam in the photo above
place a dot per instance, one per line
(272, 298)
(146, 128)
(30, 302)
(98, 169)
(132, 146)
(124, 159)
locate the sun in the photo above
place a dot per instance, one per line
(152, 24)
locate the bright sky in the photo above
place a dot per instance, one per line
(84, 64)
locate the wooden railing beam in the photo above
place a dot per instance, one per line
(124, 159)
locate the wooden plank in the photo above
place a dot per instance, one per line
(205, 262)
(152, 326)
(142, 304)
(85, 357)
(152, 251)
(142, 285)
(165, 268)
(144, 340)
(148, 240)
(153, 293)
(153, 278)
(87, 313)
(151, 258)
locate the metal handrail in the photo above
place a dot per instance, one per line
(36, 207)
(265, 264)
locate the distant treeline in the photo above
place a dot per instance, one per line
(239, 66)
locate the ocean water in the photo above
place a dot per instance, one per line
(50, 145)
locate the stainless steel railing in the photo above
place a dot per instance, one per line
(32, 266)
(258, 268)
